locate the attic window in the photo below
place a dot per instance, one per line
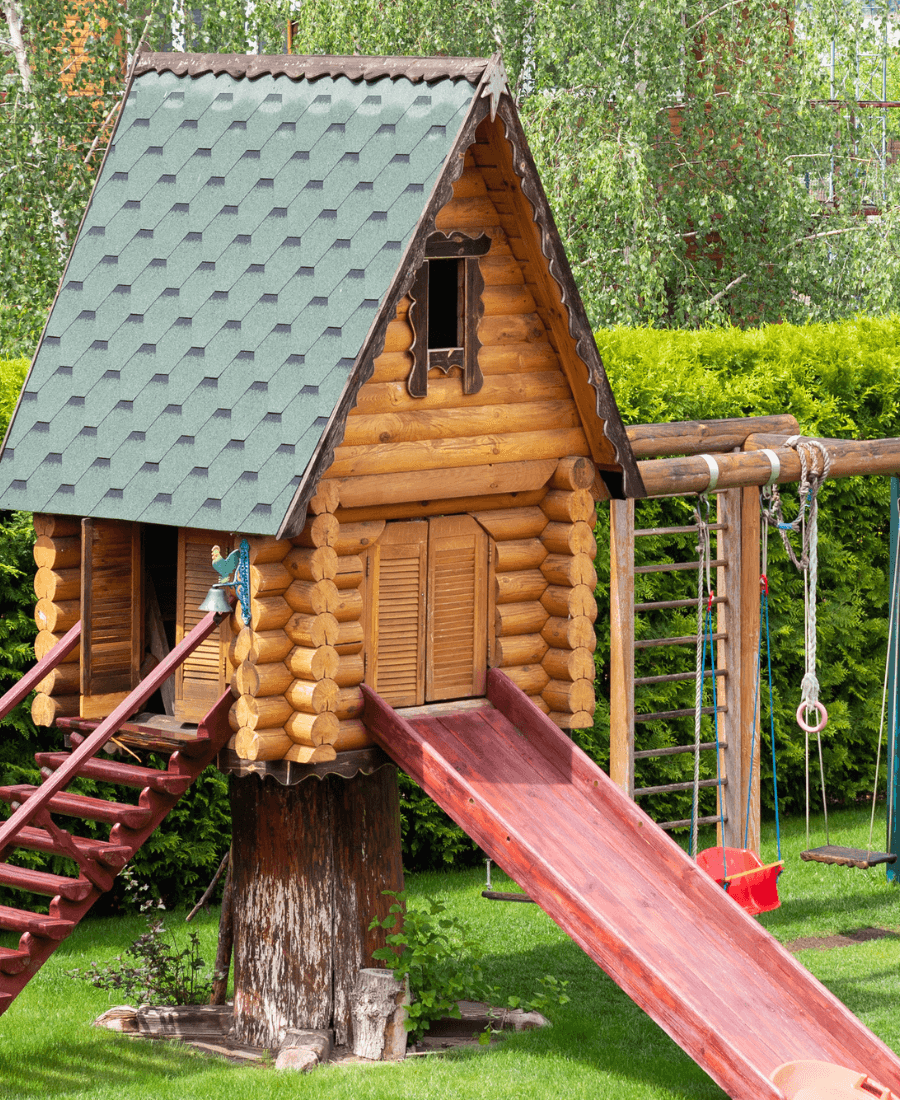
(446, 308)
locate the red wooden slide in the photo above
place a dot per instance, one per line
(727, 992)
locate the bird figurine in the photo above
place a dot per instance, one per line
(225, 567)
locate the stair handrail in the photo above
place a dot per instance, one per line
(45, 665)
(108, 728)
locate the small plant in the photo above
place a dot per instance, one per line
(552, 993)
(163, 972)
(426, 945)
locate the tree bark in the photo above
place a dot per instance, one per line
(309, 865)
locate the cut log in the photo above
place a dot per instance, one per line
(325, 499)
(526, 584)
(349, 703)
(57, 585)
(253, 744)
(532, 679)
(519, 618)
(260, 680)
(520, 649)
(352, 734)
(321, 530)
(575, 506)
(312, 597)
(269, 613)
(313, 696)
(271, 712)
(569, 664)
(267, 646)
(570, 538)
(583, 720)
(57, 553)
(317, 564)
(378, 1010)
(312, 630)
(63, 680)
(569, 633)
(45, 641)
(312, 729)
(314, 664)
(45, 709)
(310, 754)
(574, 472)
(351, 670)
(265, 550)
(353, 538)
(569, 697)
(571, 570)
(270, 579)
(56, 526)
(57, 617)
(513, 523)
(569, 602)
(519, 554)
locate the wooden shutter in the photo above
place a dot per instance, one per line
(396, 604)
(457, 609)
(111, 612)
(201, 679)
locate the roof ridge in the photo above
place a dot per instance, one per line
(314, 66)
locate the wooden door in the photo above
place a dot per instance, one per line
(111, 614)
(426, 597)
(201, 679)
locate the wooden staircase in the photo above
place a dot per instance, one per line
(32, 825)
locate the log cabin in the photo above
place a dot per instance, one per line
(320, 304)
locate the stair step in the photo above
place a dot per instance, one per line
(40, 882)
(13, 961)
(38, 924)
(83, 806)
(128, 775)
(114, 856)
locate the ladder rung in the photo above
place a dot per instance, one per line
(675, 750)
(644, 531)
(685, 639)
(672, 677)
(666, 605)
(669, 788)
(676, 566)
(687, 822)
(687, 712)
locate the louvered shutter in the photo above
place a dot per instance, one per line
(457, 609)
(201, 679)
(111, 614)
(396, 605)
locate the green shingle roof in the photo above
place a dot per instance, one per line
(241, 239)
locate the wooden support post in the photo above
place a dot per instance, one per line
(621, 629)
(310, 863)
(750, 626)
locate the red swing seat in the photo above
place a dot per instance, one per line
(749, 882)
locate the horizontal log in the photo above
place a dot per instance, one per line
(469, 184)
(513, 523)
(416, 425)
(570, 696)
(570, 538)
(259, 680)
(562, 633)
(568, 602)
(312, 597)
(525, 584)
(582, 720)
(320, 530)
(253, 744)
(63, 680)
(350, 572)
(313, 696)
(694, 437)
(518, 356)
(532, 679)
(348, 606)
(57, 553)
(519, 554)
(312, 631)
(473, 213)
(304, 754)
(398, 337)
(325, 499)
(56, 526)
(46, 640)
(57, 617)
(267, 712)
(500, 270)
(57, 584)
(514, 328)
(353, 538)
(322, 663)
(266, 550)
(392, 366)
(419, 509)
(519, 618)
(573, 472)
(570, 506)
(569, 664)
(266, 646)
(233, 719)
(570, 570)
(351, 670)
(270, 579)
(519, 649)
(45, 709)
(349, 703)
(313, 729)
(317, 564)
(234, 660)
(498, 477)
(506, 299)
(349, 638)
(269, 613)
(352, 734)
(378, 398)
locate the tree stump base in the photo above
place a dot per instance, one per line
(378, 1008)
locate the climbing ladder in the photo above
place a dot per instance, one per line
(32, 826)
(736, 560)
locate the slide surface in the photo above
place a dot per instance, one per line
(723, 988)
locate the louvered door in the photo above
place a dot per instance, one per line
(426, 597)
(200, 681)
(457, 609)
(111, 612)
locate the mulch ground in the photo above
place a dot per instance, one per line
(842, 939)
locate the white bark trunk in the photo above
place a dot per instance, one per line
(378, 1008)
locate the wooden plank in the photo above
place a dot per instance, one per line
(728, 582)
(749, 700)
(621, 635)
(694, 437)
(377, 398)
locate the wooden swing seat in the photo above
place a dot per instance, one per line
(749, 882)
(847, 857)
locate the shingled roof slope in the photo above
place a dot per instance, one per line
(239, 243)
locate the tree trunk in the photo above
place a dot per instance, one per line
(309, 864)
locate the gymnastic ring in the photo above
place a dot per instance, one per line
(823, 717)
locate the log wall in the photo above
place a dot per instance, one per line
(57, 586)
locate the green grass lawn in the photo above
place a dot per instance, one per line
(600, 1044)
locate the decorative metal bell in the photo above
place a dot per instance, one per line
(217, 600)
